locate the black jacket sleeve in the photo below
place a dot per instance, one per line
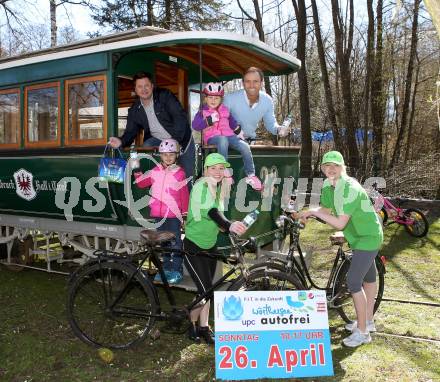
(177, 124)
(219, 219)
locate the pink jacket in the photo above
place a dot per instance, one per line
(169, 191)
(223, 127)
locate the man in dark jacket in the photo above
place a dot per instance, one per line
(159, 113)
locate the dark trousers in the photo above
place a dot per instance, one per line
(200, 268)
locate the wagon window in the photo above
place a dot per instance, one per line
(9, 118)
(85, 112)
(42, 115)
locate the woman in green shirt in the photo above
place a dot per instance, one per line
(345, 205)
(204, 222)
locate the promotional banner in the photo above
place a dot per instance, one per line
(271, 334)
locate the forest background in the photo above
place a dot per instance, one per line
(369, 84)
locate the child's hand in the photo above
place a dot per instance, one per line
(237, 227)
(215, 117)
(184, 217)
(211, 119)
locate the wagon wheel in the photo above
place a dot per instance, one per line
(20, 254)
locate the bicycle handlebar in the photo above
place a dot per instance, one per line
(293, 222)
(239, 242)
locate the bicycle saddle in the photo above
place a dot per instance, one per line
(337, 238)
(156, 237)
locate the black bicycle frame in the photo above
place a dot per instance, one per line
(152, 254)
(301, 266)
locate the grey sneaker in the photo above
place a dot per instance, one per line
(357, 338)
(353, 324)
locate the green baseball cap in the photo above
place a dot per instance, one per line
(216, 158)
(333, 157)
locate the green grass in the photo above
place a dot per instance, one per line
(36, 343)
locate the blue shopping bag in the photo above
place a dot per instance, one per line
(112, 169)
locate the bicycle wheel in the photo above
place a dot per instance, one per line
(92, 292)
(341, 296)
(281, 266)
(419, 226)
(267, 279)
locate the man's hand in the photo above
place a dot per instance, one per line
(241, 135)
(115, 142)
(237, 227)
(283, 131)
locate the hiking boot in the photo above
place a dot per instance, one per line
(357, 338)
(174, 277)
(193, 333)
(207, 335)
(353, 324)
(254, 182)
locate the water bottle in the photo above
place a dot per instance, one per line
(134, 158)
(250, 218)
(284, 129)
(287, 121)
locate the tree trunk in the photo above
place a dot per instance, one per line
(369, 70)
(378, 96)
(331, 113)
(343, 58)
(258, 23)
(306, 138)
(167, 20)
(53, 23)
(150, 14)
(413, 110)
(408, 84)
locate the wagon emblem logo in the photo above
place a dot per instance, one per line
(24, 185)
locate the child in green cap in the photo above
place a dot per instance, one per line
(345, 205)
(204, 222)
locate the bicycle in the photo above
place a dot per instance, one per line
(338, 295)
(113, 302)
(414, 220)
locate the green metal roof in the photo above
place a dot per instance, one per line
(225, 55)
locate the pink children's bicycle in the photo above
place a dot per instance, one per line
(412, 219)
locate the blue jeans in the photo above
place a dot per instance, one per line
(236, 143)
(172, 261)
(152, 141)
(186, 160)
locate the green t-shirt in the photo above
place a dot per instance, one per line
(200, 228)
(364, 230)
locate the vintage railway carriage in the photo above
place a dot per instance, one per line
(58, 108)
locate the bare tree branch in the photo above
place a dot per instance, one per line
(247, 14)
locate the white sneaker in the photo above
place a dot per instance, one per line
(353, 324)
(357, 338)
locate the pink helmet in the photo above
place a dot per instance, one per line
(169, 146)
(214, 89)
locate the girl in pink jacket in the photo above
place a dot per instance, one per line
(221, 129)
(169, 200)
